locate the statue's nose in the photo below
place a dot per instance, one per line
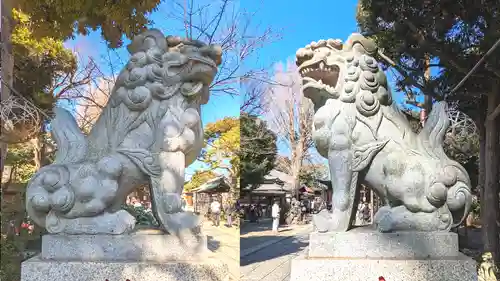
(303, 54)
(214, 52)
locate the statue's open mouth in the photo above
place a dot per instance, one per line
(320, 73)
(319, 81)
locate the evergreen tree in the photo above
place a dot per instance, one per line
(258, 150)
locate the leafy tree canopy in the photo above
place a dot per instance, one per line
(258, 149)
(39, 63)
(454, 35)
(61, 18)
(222, 149)
(20, 158)
(309, 174)
(222, 140)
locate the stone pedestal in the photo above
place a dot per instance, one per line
(366, 255)
(135, 257)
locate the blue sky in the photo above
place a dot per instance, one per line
(298, 23)
(302, 24)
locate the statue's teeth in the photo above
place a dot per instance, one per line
(321, 65)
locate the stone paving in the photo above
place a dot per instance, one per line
(224, 242)
(266, 256)
(254, 236)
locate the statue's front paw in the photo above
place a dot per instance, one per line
(120, 222)
(322, 221)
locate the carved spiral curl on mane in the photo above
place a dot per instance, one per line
(365, 84)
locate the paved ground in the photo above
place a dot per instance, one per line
(265, 256)
(225, 243)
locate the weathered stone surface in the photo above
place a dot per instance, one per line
(365, 254)
(36, 269)
(443, 269)
(373, 244)
(368, 140)
(147, 134)
(131, 247)
(142, 255)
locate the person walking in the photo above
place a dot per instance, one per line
(215, 210)
(229, 214)
(366, 213)
(253, 213)
(275, 213)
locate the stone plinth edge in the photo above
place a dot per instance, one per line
(372, 244)
(460, 268)
(36, 269)
(131, 247)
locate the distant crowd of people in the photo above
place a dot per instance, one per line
(135, 202)
(364, 213)
(230, 210)
(256, 211)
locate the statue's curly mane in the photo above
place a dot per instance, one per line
(147, 133)
(358, 123)
(364, 83)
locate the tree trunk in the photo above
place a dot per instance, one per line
(38, 148)
(296, 166)
(489, 201)
(482, 152)
(427, 105)
(293, 147)
(234, 192)
(7, 64)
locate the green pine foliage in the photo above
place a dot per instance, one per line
(258, 150)
(454, 34)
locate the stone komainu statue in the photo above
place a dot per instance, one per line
(149, 131)
(368, 140)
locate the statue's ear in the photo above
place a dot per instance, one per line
(369, 46)
(71, 142)
(363, 155)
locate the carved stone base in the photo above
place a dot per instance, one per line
(139, 256)
(366, 255)
(36, 269)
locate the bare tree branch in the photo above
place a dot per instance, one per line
(253, 100)
(290, 116)
(226, 24)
